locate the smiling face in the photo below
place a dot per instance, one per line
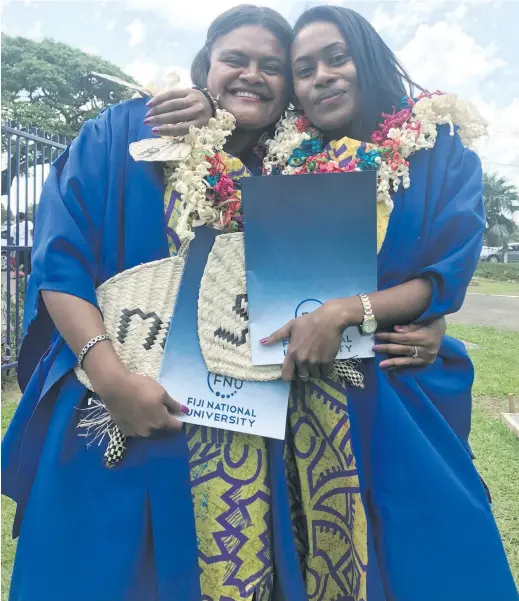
(325, 77)
(249, 74)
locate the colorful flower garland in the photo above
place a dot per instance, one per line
(196, 167)
(222, 193)
(297, 146)
(194, 164)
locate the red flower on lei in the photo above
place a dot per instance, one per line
(222, 191)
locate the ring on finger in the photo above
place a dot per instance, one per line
(304, 377)
(415, 353)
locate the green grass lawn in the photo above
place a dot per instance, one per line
(497, 450)
(10, 398)
(497, 459)
(484, 286)
(496, 361)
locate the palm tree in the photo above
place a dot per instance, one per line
(501, 199)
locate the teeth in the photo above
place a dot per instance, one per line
(248, 95)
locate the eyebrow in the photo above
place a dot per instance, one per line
(229, 52)
(325, 49)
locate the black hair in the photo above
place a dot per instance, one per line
(21, 215)
(381, 79)
(239, 16)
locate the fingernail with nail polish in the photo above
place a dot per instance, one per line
(150, 102)
(146, 121)
(155, 131)
(264, 340)
(184, 409)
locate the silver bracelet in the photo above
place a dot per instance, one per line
(91, 343)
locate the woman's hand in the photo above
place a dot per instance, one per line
(409, 341)
(173, 112)
(315, 339)
(139, 405)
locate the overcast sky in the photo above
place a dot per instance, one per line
(469, 48)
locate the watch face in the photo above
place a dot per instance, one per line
(369, 326)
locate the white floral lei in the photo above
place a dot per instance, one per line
(184, 157)
(187, 167)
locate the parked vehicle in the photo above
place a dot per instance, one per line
(486, 251)
(498, 255)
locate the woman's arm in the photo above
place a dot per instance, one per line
(137, 404)
(66, 249)
(445, 261)
(78, 322)
(401, 304)
(315, 338)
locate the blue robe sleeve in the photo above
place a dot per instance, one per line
(67, 237)
(454, 225)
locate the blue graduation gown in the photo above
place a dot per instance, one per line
(128, 534)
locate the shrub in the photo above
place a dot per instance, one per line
(11, 338)
(498, 272)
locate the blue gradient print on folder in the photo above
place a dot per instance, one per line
(218, 401)
(308, 239)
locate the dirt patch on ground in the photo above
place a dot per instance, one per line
(494, 406)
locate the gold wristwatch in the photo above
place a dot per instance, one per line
(369, 325)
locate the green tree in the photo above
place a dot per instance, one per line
(501, 199)
(50, 85)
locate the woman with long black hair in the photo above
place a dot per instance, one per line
(401, 444)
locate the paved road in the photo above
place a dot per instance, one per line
(488, 310)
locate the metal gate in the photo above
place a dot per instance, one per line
(27, 154)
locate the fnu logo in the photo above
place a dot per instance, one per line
(223, 387)
(307, 306)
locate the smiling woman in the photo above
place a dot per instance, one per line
(190, 515)
(245, 64)
(336, 70)
(313, 52)
(409, 454)
(249, 78)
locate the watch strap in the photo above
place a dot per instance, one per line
(366, 304)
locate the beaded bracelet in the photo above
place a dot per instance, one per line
(212, 100)
(88, 346)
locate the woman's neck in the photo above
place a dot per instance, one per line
(351, 130)
(240, 141)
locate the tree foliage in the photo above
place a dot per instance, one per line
(50, 85)
(501, 199)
